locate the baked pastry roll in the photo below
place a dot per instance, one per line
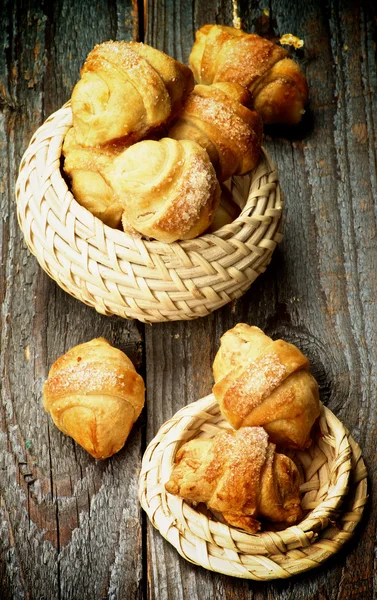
(167, 188)
(83, 167)
(126, 89)
(94, 395)
(278, 86)
(264, 382)
(239, 475)
(218, 118)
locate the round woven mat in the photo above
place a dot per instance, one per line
(135, 278)
(334, 480)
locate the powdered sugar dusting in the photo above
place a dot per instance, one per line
(223, 117)
(225, 472)
(245, 445)
(244, 59)
(229, 131)
(243, 454)
(195, 189)
(255, 383)
(118, 54)
(89, 378)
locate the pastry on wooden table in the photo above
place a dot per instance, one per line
(240, 476)
(94, 395)
(126, 90)
(83, 166)
(218, 118)
(263, 382)
(167, 188)
(278, 86)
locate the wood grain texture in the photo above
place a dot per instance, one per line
(318, 290)
(70, 526)
(60, 537)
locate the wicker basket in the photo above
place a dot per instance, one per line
(326, 469)
(135, 278)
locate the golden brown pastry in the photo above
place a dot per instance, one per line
(239, 475)
(94, 394)
(89, 188)
(217, 117)
(168, 189)
(267, 383)
(126, 89)
(278, 86)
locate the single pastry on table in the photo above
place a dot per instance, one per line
(94, 395)
(261, 382)
(126, 90)
(239, 475)
(167, 188)
(218, 118)
(277, 84)
(83, 166)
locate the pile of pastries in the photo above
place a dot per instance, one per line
(264, 390)
(149, 149)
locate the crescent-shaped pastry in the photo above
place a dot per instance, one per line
(94, 394)
(239, 475)
(167, 188)
(277, 84)
(261, 382)
(218, 118)
(126, 90)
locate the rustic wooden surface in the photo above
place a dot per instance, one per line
(70, 526)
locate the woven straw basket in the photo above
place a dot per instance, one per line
(334, 476)
(136, 278)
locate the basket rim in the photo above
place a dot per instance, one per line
(140, 278)
(180, 523)
(65, 113)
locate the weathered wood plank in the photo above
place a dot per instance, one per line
(178, 355)
(319, 289)
(72, 525)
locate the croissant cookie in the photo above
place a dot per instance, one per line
(168, 188)
(239, 475)
(278, 86)
(94, 395)
(264, 382)
(125, 91)
(218, 118)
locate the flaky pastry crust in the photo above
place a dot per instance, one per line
(218, 118)
(126, 90)
(94, 395)
(167, 188)
(83, 166)
(276, 82)
(259, 381)
(240, 476)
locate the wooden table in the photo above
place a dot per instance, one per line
(71, 527)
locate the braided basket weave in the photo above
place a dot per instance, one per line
(329, 468)
(147, 280)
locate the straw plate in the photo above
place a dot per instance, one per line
(328, 468)
(135, 278)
